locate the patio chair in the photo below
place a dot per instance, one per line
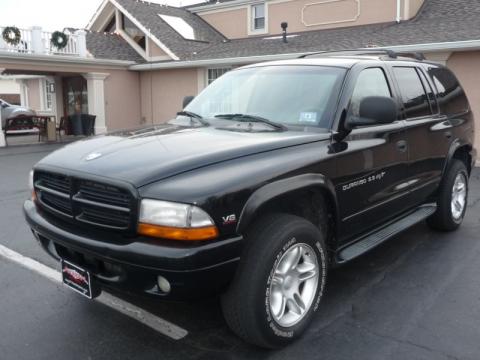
(65, 126)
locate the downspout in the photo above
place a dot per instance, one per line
(399, 9)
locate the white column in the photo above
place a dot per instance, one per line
(96, 99)
(2, 136)
(37, 42)
(81, 43)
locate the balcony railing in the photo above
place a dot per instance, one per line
(37, 41)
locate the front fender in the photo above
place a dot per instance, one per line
(282, 187)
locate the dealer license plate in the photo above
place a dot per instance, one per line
(76, 278)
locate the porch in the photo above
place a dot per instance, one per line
(57, 99)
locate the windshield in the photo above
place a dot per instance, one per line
(288, 95)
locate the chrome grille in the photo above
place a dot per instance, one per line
(85, 201)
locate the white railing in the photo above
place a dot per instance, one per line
(70, 49)
(24, 46)
(37, 41)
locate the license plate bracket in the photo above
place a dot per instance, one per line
(77, 279)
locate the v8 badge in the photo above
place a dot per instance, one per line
(229, 219)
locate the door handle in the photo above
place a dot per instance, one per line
(402, 145)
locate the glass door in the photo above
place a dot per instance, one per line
(75, 96)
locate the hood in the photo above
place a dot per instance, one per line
(143, 156)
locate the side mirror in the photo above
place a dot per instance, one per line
(187, 100)
(374, 110)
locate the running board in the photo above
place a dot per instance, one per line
(381, 235)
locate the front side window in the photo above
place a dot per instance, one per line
(290, 95)
(133, 32)
(258, 17)
(370, 82)
(414, 97)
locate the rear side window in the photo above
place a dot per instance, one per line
(414, 97)
(370, 82)
(451, 97)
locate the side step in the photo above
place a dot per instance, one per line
(379, 236)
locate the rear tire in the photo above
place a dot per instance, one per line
(452, 199)
(279, 282)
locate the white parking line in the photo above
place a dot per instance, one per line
(158, 324)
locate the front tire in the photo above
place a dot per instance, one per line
(279, 282)
(452, 199)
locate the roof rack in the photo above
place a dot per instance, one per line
(390, 53)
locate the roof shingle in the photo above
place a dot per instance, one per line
(111, 46)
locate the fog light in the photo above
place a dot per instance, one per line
(163, 284)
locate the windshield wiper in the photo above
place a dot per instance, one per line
(195, 116)
(252, 118)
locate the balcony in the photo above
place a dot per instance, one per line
(37, 41)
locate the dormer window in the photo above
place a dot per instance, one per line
(258, 17)
(133, 32)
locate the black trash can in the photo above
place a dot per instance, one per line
(77, 124)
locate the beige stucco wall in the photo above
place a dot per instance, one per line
(411, 8)
(232, 23)
(122, 99)
(167, 88)
(466, 66)
(154, 50)
(33, 94)
(331, 14)
(305, 15)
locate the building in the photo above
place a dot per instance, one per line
(136, 60)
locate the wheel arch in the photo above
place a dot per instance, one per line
(305, 188)
(460, 151)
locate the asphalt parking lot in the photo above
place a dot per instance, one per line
(415, 297)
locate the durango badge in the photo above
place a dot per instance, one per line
(93, 156)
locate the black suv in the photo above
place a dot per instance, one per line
(266, 179)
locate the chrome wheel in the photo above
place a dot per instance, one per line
(459, 196)
(294, 285)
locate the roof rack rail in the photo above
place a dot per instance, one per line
(390, 53)
(416, 55)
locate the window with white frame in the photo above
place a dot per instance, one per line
(258, 17)
(214, 74)
(49, 91)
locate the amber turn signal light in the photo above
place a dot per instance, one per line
(174, 233)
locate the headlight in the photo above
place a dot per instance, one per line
(170, 220)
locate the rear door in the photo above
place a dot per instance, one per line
(428, 132)
(373, 161)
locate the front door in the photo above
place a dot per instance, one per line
(373, 166)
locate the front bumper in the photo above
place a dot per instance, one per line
(193, 270)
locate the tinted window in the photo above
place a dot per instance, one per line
(451, 97)
(430, 92)
(414, 97)
(370, 82)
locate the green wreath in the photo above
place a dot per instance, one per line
(59, 39)
(11, 35)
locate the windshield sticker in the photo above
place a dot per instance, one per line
(308, 117)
